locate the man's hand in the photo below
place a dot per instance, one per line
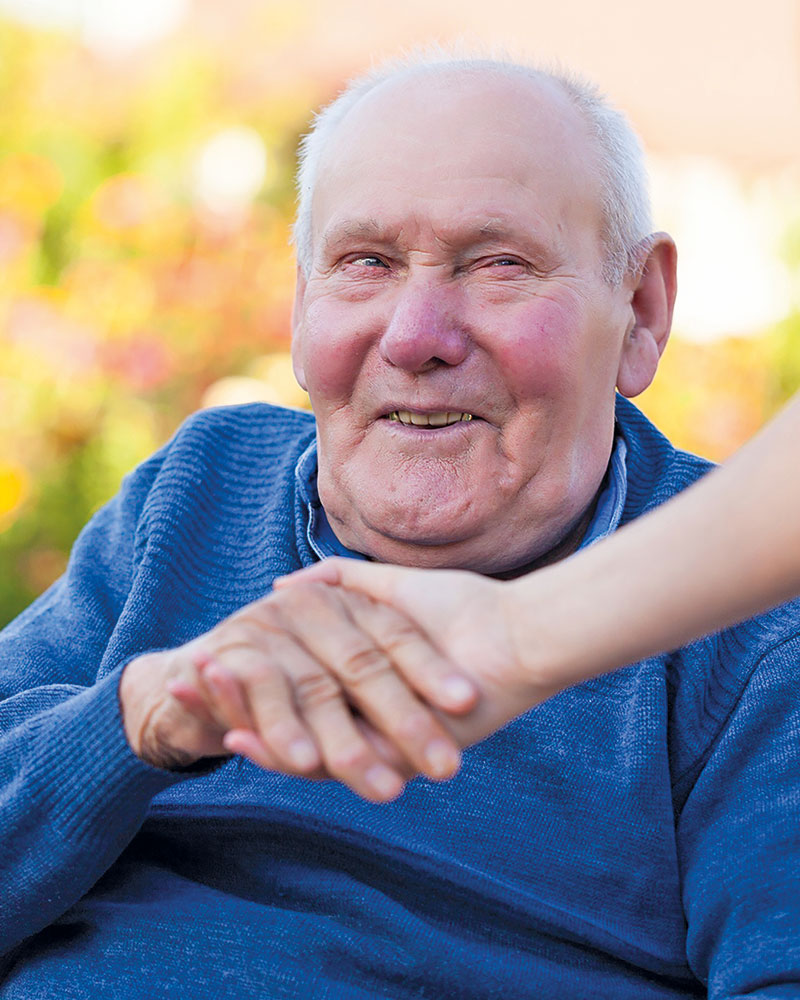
(279, 682)
(471, 621)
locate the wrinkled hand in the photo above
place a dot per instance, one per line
(279, 681)
(471, 621)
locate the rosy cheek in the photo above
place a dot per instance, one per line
(538, 348)
(333, 351)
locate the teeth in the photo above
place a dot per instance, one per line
(428, 419)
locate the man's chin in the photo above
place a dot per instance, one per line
(388, 544)
(457, 540)
(426, 547)
(445, 529)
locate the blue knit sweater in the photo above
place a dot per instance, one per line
(635, 837)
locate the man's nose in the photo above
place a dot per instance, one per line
(425, 330)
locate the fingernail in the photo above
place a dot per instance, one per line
(213, 668)
(302, 754)
(232, 741)
(458, 689)
(182, 689)
(212, 682)
(384, 781)
(443, 759)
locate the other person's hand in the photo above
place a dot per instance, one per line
(279, 682)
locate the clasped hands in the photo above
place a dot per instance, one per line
(367, 674)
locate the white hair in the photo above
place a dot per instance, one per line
(624, 187)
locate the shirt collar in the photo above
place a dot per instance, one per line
(324, 543)
(319, 533)
(612, 496)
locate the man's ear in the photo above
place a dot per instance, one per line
(655, 284)
(297, 324)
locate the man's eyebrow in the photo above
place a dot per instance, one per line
(496, 231)
(361, 229)
(493, 230)
(501, 231)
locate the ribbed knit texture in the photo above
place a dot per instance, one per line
(635, 837)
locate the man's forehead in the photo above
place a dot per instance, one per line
(425, 89)
(482, 96)
(434, 124)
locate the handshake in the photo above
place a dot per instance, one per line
(367, 674)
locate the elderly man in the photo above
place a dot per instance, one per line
(476, 277)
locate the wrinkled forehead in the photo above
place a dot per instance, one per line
(434, 128)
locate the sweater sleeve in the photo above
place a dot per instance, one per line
(739, 841)
(72, 793)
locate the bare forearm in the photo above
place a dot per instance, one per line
(726, 549)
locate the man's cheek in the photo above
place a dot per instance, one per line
(328, 375)
(538, 354)
(332, 359)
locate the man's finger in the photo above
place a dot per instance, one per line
(246, 743)
(187, 693)
(347, 755)
(432, 675)
(302, 718)
(226, 694)
(270, 708)
(367, 673)
(382, 640)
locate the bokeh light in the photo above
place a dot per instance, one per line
(229, 171)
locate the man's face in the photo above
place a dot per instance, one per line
(455, 334)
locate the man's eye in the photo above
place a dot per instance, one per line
(369, 261)
(505, 262)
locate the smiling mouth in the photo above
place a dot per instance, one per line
(442, 419)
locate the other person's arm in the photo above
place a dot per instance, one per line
(724, 550)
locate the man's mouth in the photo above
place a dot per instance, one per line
(441, 419)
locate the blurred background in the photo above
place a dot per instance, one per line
(146, 159)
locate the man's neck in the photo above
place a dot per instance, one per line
(569, 544)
